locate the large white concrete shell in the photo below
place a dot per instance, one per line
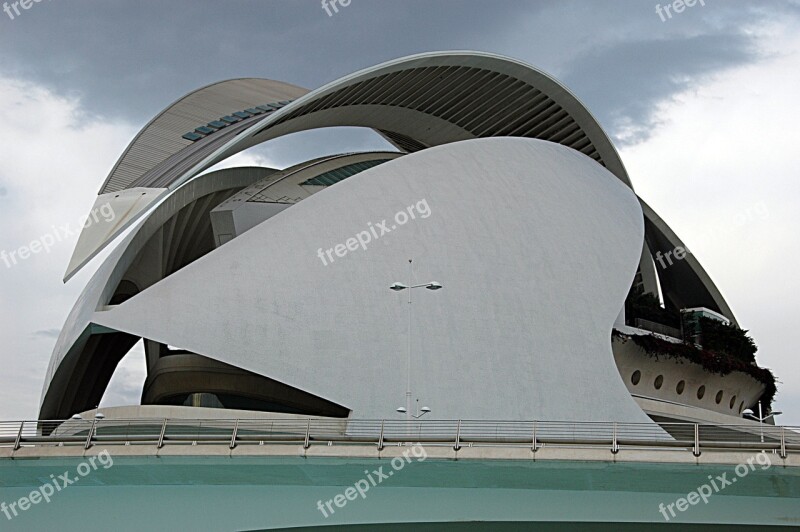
(160, 146)
(162, 137)
(418, 103)
(69, 372)
(415, 102)
(535, 243)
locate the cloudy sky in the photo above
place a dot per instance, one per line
(702, 107)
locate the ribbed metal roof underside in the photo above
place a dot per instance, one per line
(482, 102)
(415, 102)
(162, 137)
(164, 173)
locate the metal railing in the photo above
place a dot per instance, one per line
(659, 328)
(457, 434)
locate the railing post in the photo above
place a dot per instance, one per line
(614, 444)
(19, 435)
(161, 436)
(783, 443)
(91, 433)
(233, 436)
(631, 438)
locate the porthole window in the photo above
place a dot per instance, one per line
(701, 391)
(680, 387)
(741, 407)
(659, 382)
(718, 398)
(636, 377)
(733, 402)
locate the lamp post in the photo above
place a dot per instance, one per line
(398, 287)
(420, 411)
(760, 418)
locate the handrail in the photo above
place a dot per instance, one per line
(696, 450)
(161, 434)
(233, 436)
(659, 328)
(91, 433)
(535, 435)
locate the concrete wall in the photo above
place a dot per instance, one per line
(739, 390)
(536, 246)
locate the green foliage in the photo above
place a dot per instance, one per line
(712, 361)
(728, 339)
(647, 307)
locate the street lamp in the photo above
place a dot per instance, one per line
(399, 287)
(761, 419)
(424, 410)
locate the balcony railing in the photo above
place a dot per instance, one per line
(652, 326)
(536, 435)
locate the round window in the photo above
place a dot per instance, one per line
(733, 402)
(659, 382)
(718, 398)
(701, 391)
(680, 387)
(636, 377)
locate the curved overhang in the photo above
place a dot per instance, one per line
(177, 232)
(435, 98)
(176, 377)
(684, 283)
(160, 147)
(280, 190)
(415, 102)
(162, 137)
(571, 226)
(183, 215)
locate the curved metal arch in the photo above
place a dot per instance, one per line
(478, 94)
(177, 232)
(436, 98)
(162, 137)
(415, 102)
(72, 383)
(684, 283)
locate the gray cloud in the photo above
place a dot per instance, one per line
(132, 59)
(652, 71)
(129, 60)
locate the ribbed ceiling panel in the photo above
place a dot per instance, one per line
(161, 138)
(483, 102)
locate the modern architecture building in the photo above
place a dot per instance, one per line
(277, 357)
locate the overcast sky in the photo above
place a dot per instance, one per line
(702, 106)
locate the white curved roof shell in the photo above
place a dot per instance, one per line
(416, 102)
(162, 136)
(533, 283)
